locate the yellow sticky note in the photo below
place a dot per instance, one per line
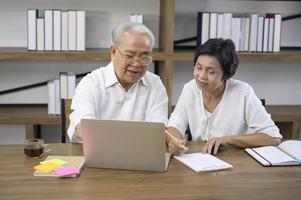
(47, 167)
(56, 161)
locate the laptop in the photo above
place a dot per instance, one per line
(130, 145)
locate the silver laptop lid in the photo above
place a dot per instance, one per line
(128, 145)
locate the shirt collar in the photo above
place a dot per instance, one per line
(111, 78)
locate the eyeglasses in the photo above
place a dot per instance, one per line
(129, 59)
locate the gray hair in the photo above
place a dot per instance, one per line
(130, 26)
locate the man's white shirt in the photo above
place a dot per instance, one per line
(99, 95)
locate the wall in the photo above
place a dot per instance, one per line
(278, 83)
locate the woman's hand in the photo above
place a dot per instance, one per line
(177, 148)
(214, 144)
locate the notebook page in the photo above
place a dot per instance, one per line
(293, 148)
(202, 162)
(273, 154)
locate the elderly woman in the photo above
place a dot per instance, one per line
(217, 108)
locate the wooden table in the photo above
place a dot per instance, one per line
(247, 180)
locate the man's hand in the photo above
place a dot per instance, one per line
(78, 132)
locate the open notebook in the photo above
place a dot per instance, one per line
(287, 153)
(200, 162)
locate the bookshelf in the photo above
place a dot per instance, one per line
(164, 56)
(284, 55)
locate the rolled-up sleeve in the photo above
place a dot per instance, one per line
(179, 118)
(158, 111)
(257, 118)
(83, 106)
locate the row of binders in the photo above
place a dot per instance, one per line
(249, 32)
(60, 88)
(136, 17)
(56, 30)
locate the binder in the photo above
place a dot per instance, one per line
(277, 32)
(139, 18)
(32, 29)
(57, 104)
(48, 30)
(63, 85)
(51, 97)
(271, 35)
(260, 34)
(253, 32)
(202, 28)
(213, 25)
(57, 30)
(72, 30)
(71, 85)
(64, 31)
(40, 34)
(265, 35)
(81, 31)
(220, 25)
(227, 25)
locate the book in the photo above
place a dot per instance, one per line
(67, 163)
(48, 30)
(40, 34)
(64, 36)
(265, 34)
(51, 97)
(277, 32)
(220, 25)
(81, 30)
(63, 85)
(57, 30)
(271, 35)
(286, 153)
(202, 27)
(200, 162)
(212, 25)
(71, 77)
(253, 32)
(260, 33)
(57, 97)
(72, 30)
(227, 23)
(235, 32)
(32, 29)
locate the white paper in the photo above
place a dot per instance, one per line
(202, 162)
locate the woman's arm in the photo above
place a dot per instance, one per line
(240, 141)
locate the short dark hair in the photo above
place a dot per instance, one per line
(224, 51)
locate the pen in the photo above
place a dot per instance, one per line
(175, 139)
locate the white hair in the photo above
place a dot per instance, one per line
(130, 26)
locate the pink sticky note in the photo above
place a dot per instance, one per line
(65, 171)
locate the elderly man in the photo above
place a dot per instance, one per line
(124, 89)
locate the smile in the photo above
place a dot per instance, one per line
(200, 83)
(134, 72)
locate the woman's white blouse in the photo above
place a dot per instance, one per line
(239, 112)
